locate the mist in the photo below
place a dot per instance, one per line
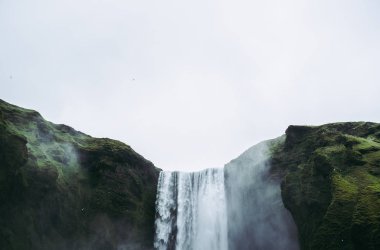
(235, 207)
(257, 218)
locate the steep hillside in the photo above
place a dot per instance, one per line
(62, 189)
(331, 183)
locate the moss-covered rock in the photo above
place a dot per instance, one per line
(62, 189)
(331, 184)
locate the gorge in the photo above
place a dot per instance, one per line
(316, 187)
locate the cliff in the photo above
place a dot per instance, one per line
(331, 183)
(62, 189)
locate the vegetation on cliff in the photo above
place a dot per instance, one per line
(62, 189)
(331, 183)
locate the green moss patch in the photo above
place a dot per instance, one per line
(62, 189)
(331, 184)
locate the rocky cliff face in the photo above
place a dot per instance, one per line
(331, 184)
(62, 189)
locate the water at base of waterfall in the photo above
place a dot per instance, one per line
(191, 211)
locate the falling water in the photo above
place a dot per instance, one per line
(191, 211)
(236, 208)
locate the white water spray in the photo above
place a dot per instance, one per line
(236, 208)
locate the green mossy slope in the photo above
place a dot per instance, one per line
(62, 189)
(331, 184)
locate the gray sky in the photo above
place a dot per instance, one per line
(191, 84)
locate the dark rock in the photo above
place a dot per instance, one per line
(62, 189)
(331, 184)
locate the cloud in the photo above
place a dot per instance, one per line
(191, 84)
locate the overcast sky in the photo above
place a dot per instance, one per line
(191, 84)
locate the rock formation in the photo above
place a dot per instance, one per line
(62, 189)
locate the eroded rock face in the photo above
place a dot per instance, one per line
(331, 184)
(62, 189)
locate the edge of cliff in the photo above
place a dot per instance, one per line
(331, 183)
(63, 189)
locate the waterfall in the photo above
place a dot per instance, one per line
(166, 209)
(191, 211)
(236, 208)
